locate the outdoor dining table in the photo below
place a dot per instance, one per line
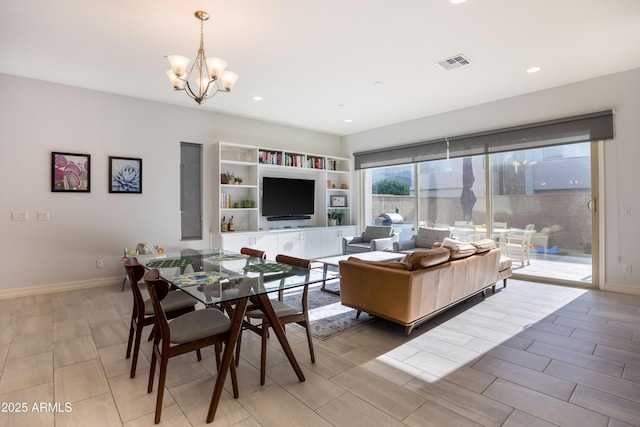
(232, 280)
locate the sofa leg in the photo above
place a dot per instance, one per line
(504, 283)
(493, 288)
(408, 329)
(358, 314)
(482, 292)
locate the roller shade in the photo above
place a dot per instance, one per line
(568, 130)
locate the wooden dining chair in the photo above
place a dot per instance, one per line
(186, 333)
(286, 314)
(175, 304)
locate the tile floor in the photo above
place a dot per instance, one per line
(528, 355)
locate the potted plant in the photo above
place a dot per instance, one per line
(237, 180)
(335, 217)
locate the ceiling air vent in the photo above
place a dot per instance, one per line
(454, 62)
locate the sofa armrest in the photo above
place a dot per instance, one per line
(405, 244)
(349, 240)
(383, 243)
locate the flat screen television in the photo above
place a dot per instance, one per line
(287, 198)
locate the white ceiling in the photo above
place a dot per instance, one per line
(315, 62)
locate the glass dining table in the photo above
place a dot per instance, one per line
(233, 281)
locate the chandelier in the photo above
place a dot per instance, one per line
(206, 77)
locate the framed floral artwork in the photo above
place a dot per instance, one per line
(338, 201)
(70, 172)
(125, 175)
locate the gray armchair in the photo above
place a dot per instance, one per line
(422, 240)
(373, 238)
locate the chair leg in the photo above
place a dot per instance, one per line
(218, 348)
(152, 333)
(311, 352)
(161, 381)
(263, 353)
(198, 355)
(130, 340)
(136, 350)
(152, 372)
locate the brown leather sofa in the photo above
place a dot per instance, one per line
(422, 285)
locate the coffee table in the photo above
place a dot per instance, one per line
(334, 261)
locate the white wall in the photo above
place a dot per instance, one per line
(37, 118)
(621, 163)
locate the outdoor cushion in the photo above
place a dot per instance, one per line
(459, 249)
(428, 258)
(198, 324)
(426, 237)
(376, 232)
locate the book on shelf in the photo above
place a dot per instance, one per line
(225, 201)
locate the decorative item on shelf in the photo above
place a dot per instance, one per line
(223, 225)
(343, 186)
(335, 217)
(338, 201)
(206, 77)
(223, 178)
(231, 226)
(237, 180)
(230, 177)
(328, 183)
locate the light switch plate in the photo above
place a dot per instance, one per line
(19, 216)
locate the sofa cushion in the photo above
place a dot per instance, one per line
(484, 245)
(400, 265)
(376, 232)
(505, 263)
(458, 249)
(426, 237)
(428, 258)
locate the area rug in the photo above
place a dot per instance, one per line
(327, 315)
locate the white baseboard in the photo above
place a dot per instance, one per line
(621, 288)
(60, 287)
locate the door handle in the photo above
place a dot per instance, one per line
(591, 205)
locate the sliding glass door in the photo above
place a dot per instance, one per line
(538, 204)
(545, 198)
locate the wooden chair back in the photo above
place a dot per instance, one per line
(254, 253)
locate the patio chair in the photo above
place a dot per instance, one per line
(464, 231)
(422, 240)
(517, 244)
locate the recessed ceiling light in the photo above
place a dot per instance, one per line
(378, 83)
(257, 98)
(533, 70)
(457, 1)
(348, 120)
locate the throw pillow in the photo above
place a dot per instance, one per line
(399, 265)
(484, 245)
(458, 248)
(428, 258)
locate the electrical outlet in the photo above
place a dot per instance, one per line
(626, 268)
(99, 263)
(626, 211)
(43, 216)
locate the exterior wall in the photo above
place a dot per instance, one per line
(620, 171)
